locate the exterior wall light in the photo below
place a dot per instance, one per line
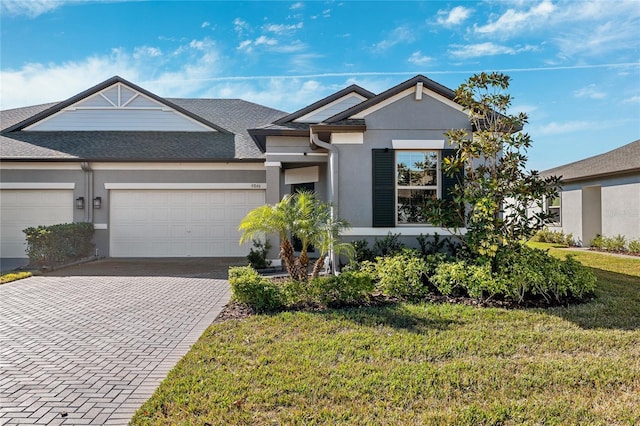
(80, 203)
(97, 202)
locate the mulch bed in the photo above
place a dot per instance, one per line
(237, 311)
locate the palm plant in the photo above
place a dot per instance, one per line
(301, 215)
(327, 238)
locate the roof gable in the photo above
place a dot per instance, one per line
(331, 105)
(116, 105)
(419, 84)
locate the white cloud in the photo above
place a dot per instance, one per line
(298, 5)
(486, 49)
(205, 24)
(240, 26)
(599, 39)
(555, 128)
(283, 29)
(514, 21)
(325, 14)
(146, 51)
(455, 16)
(181, 74)
(264, 40)
(590, 91)
(632, 100)
(417, 58)
(401, 34)
(31, 8)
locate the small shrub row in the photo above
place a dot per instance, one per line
(14, 276)
(617, 244)
(555, 237)
(519, 275)
(390, 245)
(265, 294)
(48, 245)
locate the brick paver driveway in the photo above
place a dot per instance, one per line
(89, 344)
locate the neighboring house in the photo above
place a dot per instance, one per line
(163, 177)
(600, 195)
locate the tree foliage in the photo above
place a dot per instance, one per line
(499, 202)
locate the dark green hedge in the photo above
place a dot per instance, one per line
(50, 245)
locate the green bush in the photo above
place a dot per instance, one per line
(616, 243)
(14, 276)
(48, 245)
(258, 258)
(531, 274)
(252, 289)
(462, 278)
(388, 245)
(597, 243)
(348, 288)
(402, 275)
(556, 237)
(362, 252)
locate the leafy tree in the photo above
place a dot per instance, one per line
(496, 196)
(303, 216)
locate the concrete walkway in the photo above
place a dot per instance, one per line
(80, 348)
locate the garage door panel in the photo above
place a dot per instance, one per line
(20, 209)
(179, 223)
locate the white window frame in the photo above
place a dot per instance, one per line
(437, 186)
(548, 207)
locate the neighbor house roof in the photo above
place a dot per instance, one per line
(231, 141)
(623, 160)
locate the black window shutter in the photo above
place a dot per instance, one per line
(384, 179)
(449, 182)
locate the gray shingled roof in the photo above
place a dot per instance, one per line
(623, 160)
(234, 115)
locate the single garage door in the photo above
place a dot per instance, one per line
(24, 208)
(179, 223)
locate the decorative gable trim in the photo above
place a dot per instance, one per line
(82, 97)
(322, 103)
(349, 99)
(429, 87)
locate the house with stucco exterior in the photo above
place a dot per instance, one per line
(600, 195)
(168, 177)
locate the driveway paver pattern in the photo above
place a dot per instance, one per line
(83, 349)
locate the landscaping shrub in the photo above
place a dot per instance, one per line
(348, 288)
(258, 258)
(532, 274)
(616, 243)
(254, 290)
(402, 275)
(556, 237)
(48, 245)
(14, 276)
(388, 245)
(597, 243)
(362, 252)
(461, 278)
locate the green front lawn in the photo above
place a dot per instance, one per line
(419, 364)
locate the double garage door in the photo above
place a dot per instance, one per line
(24, 208)
(179, 223)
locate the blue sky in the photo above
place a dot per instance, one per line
(575, 65)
